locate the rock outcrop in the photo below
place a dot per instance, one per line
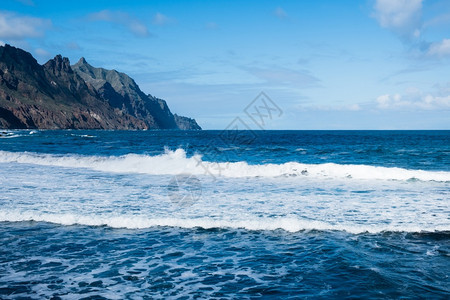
(57, 95)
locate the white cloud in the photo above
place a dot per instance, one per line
(41, 52)
(440, 49)
(386, 101)
(73, 46)
(17, 27)
(161, 20)
(132, 24)
(403, 17)
(280, 13)
(354, 107)
(413, 100)
(211, 26)
(439, 20)
(284, 77)
(138, 28)
(319, 107)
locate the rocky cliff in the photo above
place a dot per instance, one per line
(57, 95)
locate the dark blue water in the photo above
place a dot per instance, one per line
(310, 214)
(427, 150)
(42, 261)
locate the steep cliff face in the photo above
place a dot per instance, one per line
(122, 92)
(57, 96)
(185, 123)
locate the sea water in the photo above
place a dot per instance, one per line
(197, 214)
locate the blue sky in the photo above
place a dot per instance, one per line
(375, 64)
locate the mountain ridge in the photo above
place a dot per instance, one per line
(57, 95)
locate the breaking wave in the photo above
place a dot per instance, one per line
(176, 162)
(289, 224)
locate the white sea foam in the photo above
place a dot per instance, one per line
(176, 162)
(35, 189)
(289, 224)
(8, 135)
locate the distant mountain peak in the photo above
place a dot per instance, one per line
(59, 64)
(10, 54)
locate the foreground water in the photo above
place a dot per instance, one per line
(170, 214)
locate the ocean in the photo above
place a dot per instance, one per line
(224, 214)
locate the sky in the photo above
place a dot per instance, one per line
(326, 64)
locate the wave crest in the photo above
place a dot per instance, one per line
(289, 224)
(176, 162)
